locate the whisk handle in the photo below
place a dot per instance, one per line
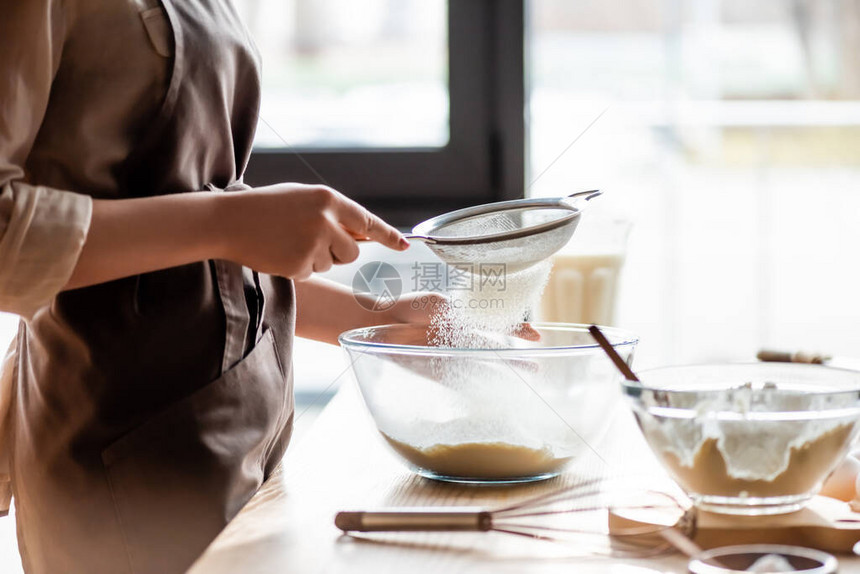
(414, 521)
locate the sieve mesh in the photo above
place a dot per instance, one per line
(500, 222)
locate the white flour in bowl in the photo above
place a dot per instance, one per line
(750, 441)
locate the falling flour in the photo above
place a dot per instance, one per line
(491, 310)
(484, 442)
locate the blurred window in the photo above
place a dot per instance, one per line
(346, 73)
(400, 104)
(731, 136)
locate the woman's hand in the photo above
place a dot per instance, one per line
(418, 307)
(294, 230)
(326, 309)
(290, 230)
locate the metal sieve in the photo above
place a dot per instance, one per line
(517, 233)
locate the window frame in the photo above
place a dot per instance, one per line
(484, 159)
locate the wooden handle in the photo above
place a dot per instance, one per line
(415, 521)
(614, 356)
(769, 355)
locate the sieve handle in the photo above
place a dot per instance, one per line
(581, 195)
(424, 238)
(415, 520)
(408, 236)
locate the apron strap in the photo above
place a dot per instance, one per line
(231, 289)
(261, 307)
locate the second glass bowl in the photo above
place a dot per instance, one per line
(756, 438)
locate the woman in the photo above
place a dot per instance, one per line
(149, 392)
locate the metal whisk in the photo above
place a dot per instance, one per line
(562, 516)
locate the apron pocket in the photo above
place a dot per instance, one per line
(180, 477)
(159, 30)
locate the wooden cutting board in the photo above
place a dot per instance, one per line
(825, 523)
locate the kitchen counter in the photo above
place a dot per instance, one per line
(342, 463)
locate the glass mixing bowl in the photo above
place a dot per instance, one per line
(748, 439)
(513, 411)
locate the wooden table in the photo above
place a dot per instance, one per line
(342, 463)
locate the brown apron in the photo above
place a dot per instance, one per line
(148, 410)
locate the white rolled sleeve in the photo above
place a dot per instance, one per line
(43, 232)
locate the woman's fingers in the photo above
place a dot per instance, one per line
(343, 247)
(340, 248)
(361, 223)
(527, 332)
(304, 273)
(320, 225)
(323, 262)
